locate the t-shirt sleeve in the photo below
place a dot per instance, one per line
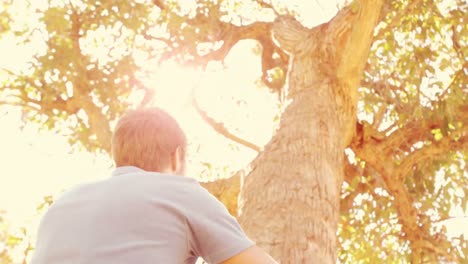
(215, 235)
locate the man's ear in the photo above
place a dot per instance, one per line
(176, 161)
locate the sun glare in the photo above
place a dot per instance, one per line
(227, 92)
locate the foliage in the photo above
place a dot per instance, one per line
(415, 85)
(407, 171)
(11, 242)
(17, 244)
(84, 67)
(5, 257)
(4, 17)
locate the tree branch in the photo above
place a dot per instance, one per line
(230, 35)
(425, 244)
(403, 201)
(220, 128)
(9, 72)
(19, 104)
(354, 25)
(429, 152)
(159, 3)
(402, 139)
(414, 130)
(264, 4)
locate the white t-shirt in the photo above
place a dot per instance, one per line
(138, 217)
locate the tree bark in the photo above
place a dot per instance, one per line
(295, 214)
(289, 203)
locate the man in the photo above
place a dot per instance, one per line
(147, 212)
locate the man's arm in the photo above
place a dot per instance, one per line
(252, 255)
(215, 235)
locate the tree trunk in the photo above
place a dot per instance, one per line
(289, 203)
(290, 200)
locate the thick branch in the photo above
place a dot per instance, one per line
(261, 32)
(424, 244)
(229, 35)
(269, 62)
(403, 201)
(232, 34)
(413, 131)
(355, 26)
(220, 128)
(428, 153)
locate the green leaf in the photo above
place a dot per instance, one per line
(444, 64)
(13, 241)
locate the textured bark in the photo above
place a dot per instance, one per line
(289, 203)
(295, 213)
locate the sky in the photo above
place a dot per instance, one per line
(38, 163)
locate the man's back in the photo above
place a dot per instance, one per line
(138, 217)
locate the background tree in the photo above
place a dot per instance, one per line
(5, 257)
(376, 104)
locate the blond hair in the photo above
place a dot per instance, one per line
(147, 138)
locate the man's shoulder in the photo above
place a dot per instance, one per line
(156, 180)
(153, 185)
(178, 190)
(78, 190)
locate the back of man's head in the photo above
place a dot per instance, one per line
(148, 139)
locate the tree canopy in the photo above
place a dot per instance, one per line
(406, 173)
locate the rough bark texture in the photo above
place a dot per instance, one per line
(294, 216)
